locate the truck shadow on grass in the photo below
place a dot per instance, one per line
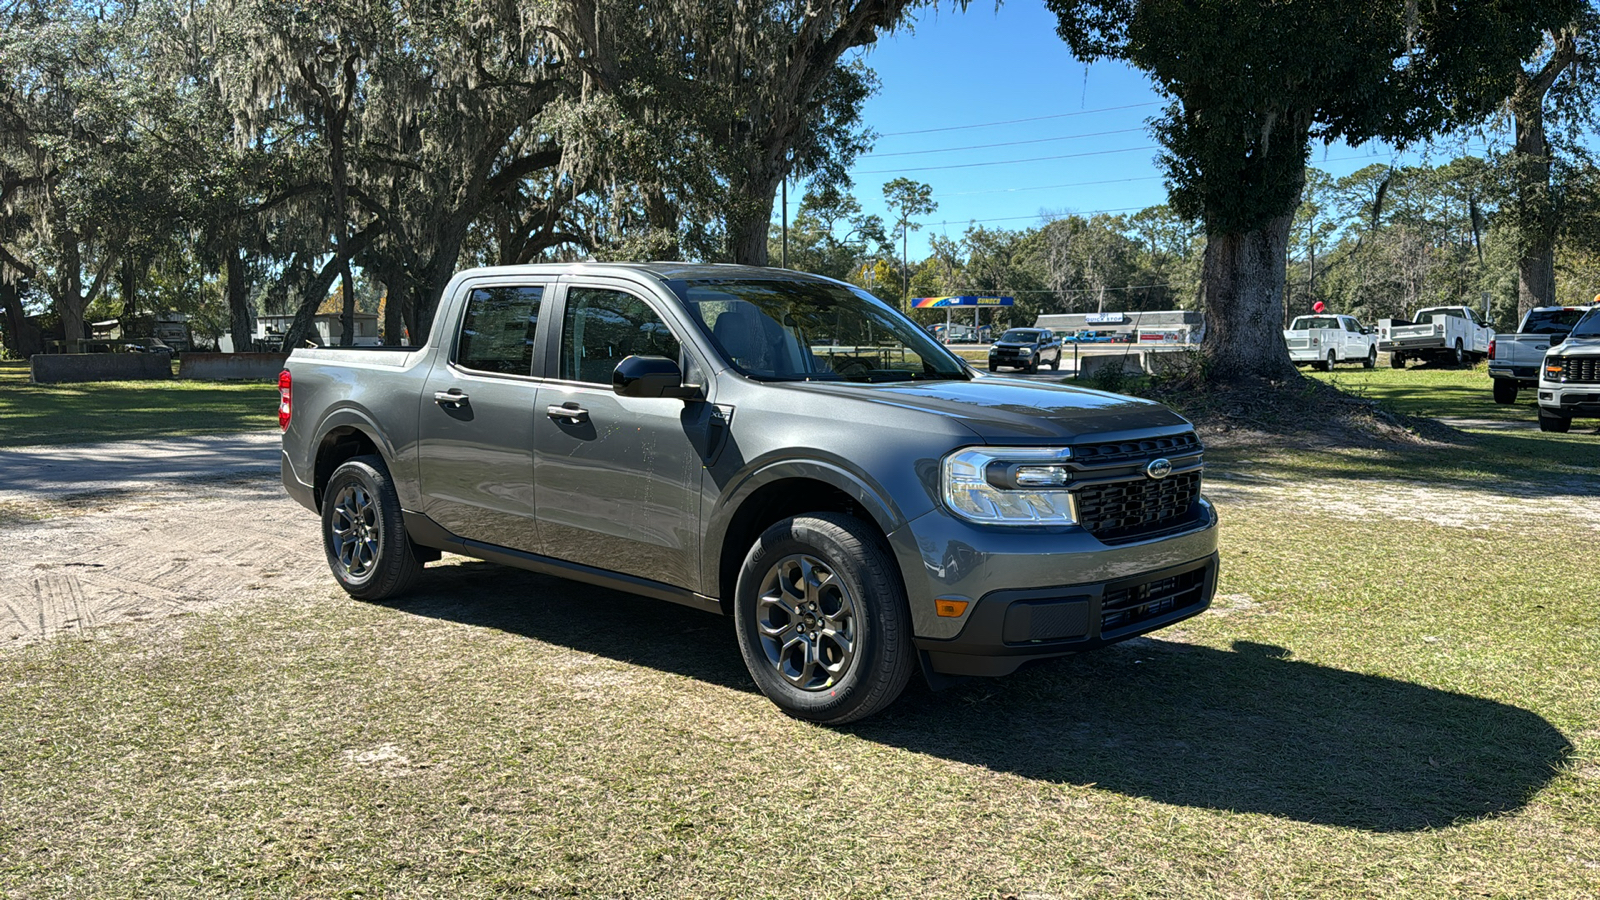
(1249, 730)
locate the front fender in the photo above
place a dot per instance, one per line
(876, 499)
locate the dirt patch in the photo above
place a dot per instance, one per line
(76, 566)
(1459, 506)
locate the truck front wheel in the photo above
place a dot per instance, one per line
(1552, 422)
(1505, 390)
(364, 533)
(1372, 358)
(822, 621)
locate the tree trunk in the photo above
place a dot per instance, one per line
(70, 302)
(347, 315)
(23, 338)
(1244, 278)
(238, 302)
(749, 218)
(1536, 213)
(1536, 267)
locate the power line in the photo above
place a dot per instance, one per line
(1070, 137)
(1003, 162)
(1044, 187)
(1083, 112)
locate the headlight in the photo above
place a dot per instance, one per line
(1009, 485)
(1025, 351)
(1553, 368)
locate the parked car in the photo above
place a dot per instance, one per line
(1025, 348)
(863, 507)
(1323, 341)
(1453, 334)
(1514, 359)
(1569, 379)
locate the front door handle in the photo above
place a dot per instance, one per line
(569, 412)
(452, 397)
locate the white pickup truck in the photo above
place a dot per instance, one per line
(1514, 358)
(1455, 334)
(1569, 378)
(1326, 340)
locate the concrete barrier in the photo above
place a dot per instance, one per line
(60, 368)
(1129, 362)
(231, 366)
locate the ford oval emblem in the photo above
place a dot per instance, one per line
(1159, 468)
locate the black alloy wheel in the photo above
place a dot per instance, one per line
(821, 615)
(364, 533)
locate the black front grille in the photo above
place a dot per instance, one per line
(1124, 511)
(1580, 370)
(1132, 605)
(1101, 454)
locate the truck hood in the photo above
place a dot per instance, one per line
(1577, 347)
(1000, 410)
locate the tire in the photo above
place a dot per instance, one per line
(1505, 391)
(1328, 364)
(1055, 364)
(1397, 360)
(1032, 368)
(363, 533)
(1458, 356)
(993, 367)
(1372, 359)
(847, 586)
(1555, 423)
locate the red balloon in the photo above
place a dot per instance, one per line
(1318, 306)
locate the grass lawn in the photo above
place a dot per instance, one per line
(39, 414)
(1386, 701)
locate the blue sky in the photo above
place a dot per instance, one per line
(1006, 71)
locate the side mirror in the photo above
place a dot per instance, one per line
(651, 376)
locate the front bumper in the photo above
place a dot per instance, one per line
(1570, 400)
(1034, 593)
(1009, 628)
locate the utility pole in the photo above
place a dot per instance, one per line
(783, 257)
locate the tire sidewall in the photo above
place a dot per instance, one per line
(878, 598)
(394, 565)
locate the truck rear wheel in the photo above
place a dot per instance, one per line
(1553, 422)
(822, 621)
(1458, 356)
(364, 533)
(1505, 390)
(1397, 360)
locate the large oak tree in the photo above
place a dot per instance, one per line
(1253, 82)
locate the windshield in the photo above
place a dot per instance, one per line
(782, 330)
(1306, 323)
(1424, 315)
(1551, 321)
(1588, 326)
(1020, 336)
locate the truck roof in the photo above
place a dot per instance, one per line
(666, 271)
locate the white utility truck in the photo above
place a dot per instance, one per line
(1453, 334)
(1325, 340)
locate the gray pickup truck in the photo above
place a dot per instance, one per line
(774, 446)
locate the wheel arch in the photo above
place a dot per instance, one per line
(776, 493)
(344, 435)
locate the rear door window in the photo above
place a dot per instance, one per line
(498, 329)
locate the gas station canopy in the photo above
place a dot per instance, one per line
(966, 300)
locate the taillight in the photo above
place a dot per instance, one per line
(285, 392)
(1491, 350)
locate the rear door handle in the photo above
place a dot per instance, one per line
(452, 397)
(570, 412)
